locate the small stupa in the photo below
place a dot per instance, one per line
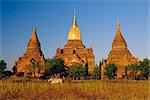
(119, 54)
(32, 58)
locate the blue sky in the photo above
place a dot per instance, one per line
(97, 21)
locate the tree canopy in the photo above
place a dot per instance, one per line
(34, 68)
(139, 71)
(2, 66)
(77, 71)
(145, 68)
(110, 71)
(54, 66)
(97, 73)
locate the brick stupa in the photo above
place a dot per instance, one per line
(75, 51)
(119, 55)
(33, 54)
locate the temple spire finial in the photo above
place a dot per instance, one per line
(34, 28)
(74, 20)
(74, 12)
(34, 35)
(34, 32)
(118, 26)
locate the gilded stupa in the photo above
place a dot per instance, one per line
(75, 51)
(33, 54)
(74, 33)
(119, 55)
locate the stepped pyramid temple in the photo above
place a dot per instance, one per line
(33, 57)
(75, 51)
(119, 55)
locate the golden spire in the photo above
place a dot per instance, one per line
(74, 33)
(74, 21)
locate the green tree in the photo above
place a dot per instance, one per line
(133, 71)
(2, 68)
(14, 69)
(33, 68)
(97, 74)
(87, 76)
(145, 68)
(77, 71)
(7, 73)
(110, 71)
(139, 71)
(54, 66)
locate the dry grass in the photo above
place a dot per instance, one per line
(75, 90)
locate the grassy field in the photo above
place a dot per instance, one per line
(75, 90)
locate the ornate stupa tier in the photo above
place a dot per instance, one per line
(74, 33)
(75, 44)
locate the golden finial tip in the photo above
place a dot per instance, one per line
(34, 28)
(118, 26)
(118, 23)
(74, 12)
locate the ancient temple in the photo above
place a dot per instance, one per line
(119, 54)
(32, 62)
(75, 51)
